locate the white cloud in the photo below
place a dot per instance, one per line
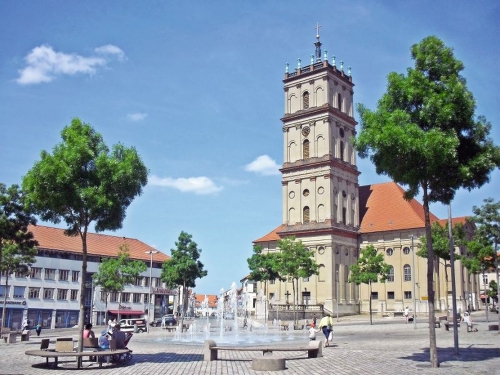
(110, 49)
(263, 165)
(44, 64)
(137, 116)
(198, 185)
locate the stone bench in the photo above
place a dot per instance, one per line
(447, 325)
(269, 364)
(210, 349)
(9, 337)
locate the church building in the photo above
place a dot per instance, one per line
(325, 208)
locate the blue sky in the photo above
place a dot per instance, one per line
(196, 87)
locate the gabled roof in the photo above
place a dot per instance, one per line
(271, 236)
(383, 208)
(97, 244)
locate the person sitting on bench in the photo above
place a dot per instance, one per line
(119, 337)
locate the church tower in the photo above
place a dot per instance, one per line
(320, 177)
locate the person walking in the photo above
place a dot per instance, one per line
(38, 329)
(325, 325)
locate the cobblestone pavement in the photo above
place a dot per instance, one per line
(388, 346)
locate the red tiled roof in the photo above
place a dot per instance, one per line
(97, 244)
(454, 220)
(212, 299)
(383, 208)
(271, 236)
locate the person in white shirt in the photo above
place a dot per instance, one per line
(312, 332)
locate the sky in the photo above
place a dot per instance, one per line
(196, 87)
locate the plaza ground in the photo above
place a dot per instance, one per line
(389, 346)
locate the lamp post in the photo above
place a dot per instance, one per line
(150, 252)
(414, 284)
(337, 292)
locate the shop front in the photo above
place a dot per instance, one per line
(14, 314)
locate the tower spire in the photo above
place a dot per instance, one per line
(317, 44)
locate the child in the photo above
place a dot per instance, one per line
(312, 332)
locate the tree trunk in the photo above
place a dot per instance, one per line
(430, 282)
(497, 269)
(119, 303)
(81, 315)
(294, 303)
(370, 300)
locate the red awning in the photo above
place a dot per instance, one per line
(127, 312)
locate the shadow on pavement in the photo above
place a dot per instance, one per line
(470, 354)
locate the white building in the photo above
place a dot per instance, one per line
(50, 294)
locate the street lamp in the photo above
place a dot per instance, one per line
(150, 252)
(337, 290)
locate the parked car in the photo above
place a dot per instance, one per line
(155, 323)
(169, 320)
(127, 325)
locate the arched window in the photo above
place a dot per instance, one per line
(406, 250)
(321, 272)
(390, 275)
(342, 150)
(339, 102)
(305, 149)
(306, 214)
(407, 272)
(305, 100)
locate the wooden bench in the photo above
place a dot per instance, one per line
(100, 355)
(210, 350)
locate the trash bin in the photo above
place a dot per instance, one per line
(135, 328)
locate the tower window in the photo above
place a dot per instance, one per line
(342, 150)
(344, 214)
(306, 214)
(339, 102)
(305, 100)
(305, 149)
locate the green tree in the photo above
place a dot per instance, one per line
(295, 261)
(115, 273)
(16, 259)
(83, 182)
(487, 217)
(15, 216)
(183, 268)
(369, 268)
(425, 136)
(263, 267)
(441, 246)
(492, 292)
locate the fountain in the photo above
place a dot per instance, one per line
(233, 326)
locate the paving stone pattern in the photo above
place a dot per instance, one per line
(387, 347)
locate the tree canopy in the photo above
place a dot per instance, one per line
(184, 267)
(425, 135)
(115, 273)
(16, 259)
(15, 217)
(487, 218)
(83, 182)
(295, 261)
(369, 268)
